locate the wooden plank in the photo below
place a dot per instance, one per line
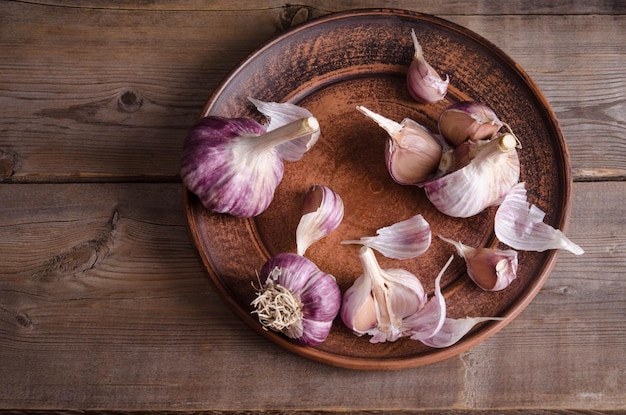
(104, 304)
(115, 101)
(483, 7)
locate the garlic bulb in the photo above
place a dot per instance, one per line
(322, 213)
(403, 240)
(297, 299)
(453, 330)
(520, 225)
(483, 182)
(412, 152)
(468, 120)
(491, 269)
(423, 82)
(232, 165)
(380, 299)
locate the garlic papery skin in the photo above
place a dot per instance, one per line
(482, 183)
(232, 165)
(491, 269)
(453, 330)
(322, 213)
(427, 322)
(283, 113)
(402, 240)
(412, 153)
(297, 299)
(423, 82)
(468, 120)
(520, 225)
(380, 299)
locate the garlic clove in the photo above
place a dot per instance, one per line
(297, 299)
(323, 212)
(280, 114)
(454, 329)
(427, 322)
(423, 82)
(403, 240)
(468, 120)
(520, 225)
(389, 294)
(482, 183)
(412, 152)
(490, 268)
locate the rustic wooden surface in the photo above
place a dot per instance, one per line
(104, 304)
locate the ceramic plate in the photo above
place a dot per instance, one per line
(330, 65)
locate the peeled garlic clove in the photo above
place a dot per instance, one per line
(283, 113)
(379, 300)
(423, 82)
(402, 240)
(412, 152)
(491, 269)
(322, 213)
(520, 225)
(297, 299)
(454, 329)
(232, 165)
(482, 183)
(468, 120)
(427, 322)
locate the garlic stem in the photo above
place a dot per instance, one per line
(392, 127)
(291, 131)
(372, 270)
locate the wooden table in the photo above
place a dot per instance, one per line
(104, 303)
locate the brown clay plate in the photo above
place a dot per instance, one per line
(330, 65)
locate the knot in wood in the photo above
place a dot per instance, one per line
(130, 100)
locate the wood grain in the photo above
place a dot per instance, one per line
(104, 304)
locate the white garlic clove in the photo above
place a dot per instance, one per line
(403, 240)
(468, 120)
(297, 299)
(454, 329)
(283, 113)
(394, 294)
(491, 269)
(323, 212)
(520, 225)
(427, 322)
(482, 183)
(412, 152)
(423, 82)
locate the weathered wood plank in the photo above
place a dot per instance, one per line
(104, 304)
(115, 100)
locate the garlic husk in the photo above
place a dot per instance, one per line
(323, 212)
(380, 299)
(232, 165)
(412, 152)
(283, 113)
(407, 239)
(491, 269)
(423, 82)
(468, 120)
(520, 225)
(482, 183)
(427, 322)
(453, 330)
(297, 299)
